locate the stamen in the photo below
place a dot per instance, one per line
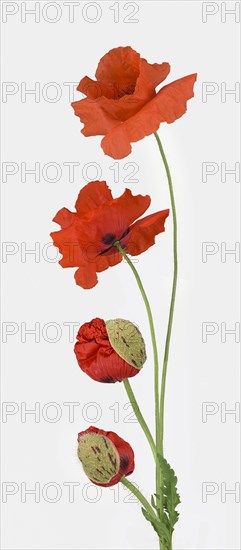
(108, 238)
(128, 90)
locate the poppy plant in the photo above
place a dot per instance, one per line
(110, 351)
(105, 456)
(122, 103)
(87, 237)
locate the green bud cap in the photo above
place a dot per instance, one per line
(127, 341)
(99, 457)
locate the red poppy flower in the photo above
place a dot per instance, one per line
(122, 103)
(110, 351)
(105, 456)
(87, 237)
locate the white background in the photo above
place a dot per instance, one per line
(42, 292)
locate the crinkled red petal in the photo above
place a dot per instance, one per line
(167, 106)
(97, 358)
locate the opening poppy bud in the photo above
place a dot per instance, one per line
(105, 456)
(110, 351)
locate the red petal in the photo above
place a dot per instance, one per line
(91, 196)
(103, 365)
(127, 457)
(93, 89)
(97, 358)
(126, 453)
(66, 240)
(156, 72)
(103, 262)
(114, 217)
(129, 104)
(168, 105)
(102, 114)
(119, 66)
(64, 217)
(96, 116)
(125, 84)
(82, 243)
(86, 276)
(102, 110)
(143, 232)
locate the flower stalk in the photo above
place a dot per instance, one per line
(137, 493)
(140, 417)
(156, 374)
(174, 287)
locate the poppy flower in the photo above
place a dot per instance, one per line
(110, 351)
(87, 237)
(105, 456)
(122, 103)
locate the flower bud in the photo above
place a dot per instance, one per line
(105, 456)
(110, 351)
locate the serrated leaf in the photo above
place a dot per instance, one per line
(164, 523)
(153, 503)
(159, 526)
(171, 497)
(145, 514)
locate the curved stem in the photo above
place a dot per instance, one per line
(139, 495)
(174, 286)
(156, 373)
(144, 503)
(139, 416)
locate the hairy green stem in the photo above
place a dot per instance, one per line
(140, 496)
(156, 374)
(139, 416)
(174, 286)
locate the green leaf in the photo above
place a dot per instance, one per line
(164, 523)
(171, 497)
(153, 502)
(159, 526)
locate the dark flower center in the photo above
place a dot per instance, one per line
(128, 90)
(110, 238)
